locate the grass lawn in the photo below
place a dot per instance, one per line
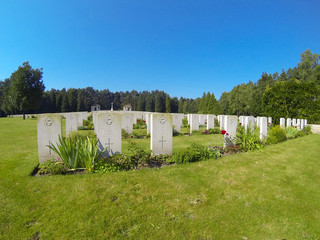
(268, 194)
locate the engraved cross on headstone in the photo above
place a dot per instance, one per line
(162, 141)
(109, 144)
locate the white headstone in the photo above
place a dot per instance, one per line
(241, 120)
(299, 124)
(202, 119)
(109, 132)
(177, 121)
(148, 122)
(210, 121)
(249, 123)
(263, 127)
(302, 124)
(230, 126)
(258, 121)
(71, 123)
(194, 122)
(288, 122)
(294, 122)
(48, 131)
(222, 121)
(282, 122)
(127, 122)
(161, 133)
(269, 120)
(306, 122)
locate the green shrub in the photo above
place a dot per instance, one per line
(185, 122)
(215, 130)
(276, 134)
(52, 167)
(124, 134)
(195, 153)
(78, 152)
(82, 128)
(196, 132)
(248, 140)
(141, 124)
(291, 132)
(82, 134)
(86, 122)
(307, 130)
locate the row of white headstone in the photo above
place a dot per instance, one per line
(108, 125)
(297, 123)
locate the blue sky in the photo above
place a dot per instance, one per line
(184, 48)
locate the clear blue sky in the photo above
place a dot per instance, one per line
(184, 47)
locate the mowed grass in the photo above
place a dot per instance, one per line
(268, 194)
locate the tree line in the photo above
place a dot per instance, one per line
(294, 93)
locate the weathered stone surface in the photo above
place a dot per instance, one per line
(127, 122)
(282, 122)
(263, 127)
(177, 121)
(249, 123)
(210, 121)
(161, 133)
(194, 122)
(288, 122)
(48, 131)
(109, 132)
(71, 123)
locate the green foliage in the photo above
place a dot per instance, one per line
(307, 130)
(185, 122)
(141, 124)
(276, 135)
(291, 132)
(195, 153)
(52, 167)
(82, 134)
(78, 152)
(215, 130)
(124, 134)
(196, 132)
(26, 88)
(248, 140)
(293, 99)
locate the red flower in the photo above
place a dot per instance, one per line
(227, 134)
(269, 123)
(131, 136)
(138, 120)
(240, 124)
(144, 121)
(223, 132)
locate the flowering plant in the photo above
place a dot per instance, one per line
(223, 132)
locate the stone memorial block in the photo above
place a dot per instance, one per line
(241, 120)
(258, 121)
(294, 122)
(249, 123)
(148, 122)
(202, 119)
(269, 120)
(48, 131)
(230, 126)
(299, 124)
(305, 122)
(161, 133)
(288, 122)
(71, 123)
(194, 122)
(222, 121)
(210, 121)
(263, 127)
(282, 122)
(109, 132)
(127, 122)
(177, 121)
(302, 124)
